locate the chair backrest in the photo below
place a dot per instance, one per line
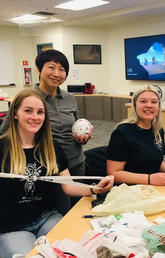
(96, 162)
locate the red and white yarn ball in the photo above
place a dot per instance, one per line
(82, 126)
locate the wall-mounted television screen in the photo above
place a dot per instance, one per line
(145, 58)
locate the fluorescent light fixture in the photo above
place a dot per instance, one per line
(27, 18)
(77, 5)
(51, 19)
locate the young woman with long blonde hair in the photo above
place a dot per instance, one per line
(27, 209)
(136, 147)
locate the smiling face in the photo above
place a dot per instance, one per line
(52, 75)
(147, 106)
(30, 116)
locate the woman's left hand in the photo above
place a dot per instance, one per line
(105, 184)
(82, 139)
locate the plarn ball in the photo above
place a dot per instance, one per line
(82, 126)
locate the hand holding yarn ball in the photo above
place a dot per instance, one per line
(82, 130)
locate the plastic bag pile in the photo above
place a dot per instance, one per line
(126, 198)
(155, 237)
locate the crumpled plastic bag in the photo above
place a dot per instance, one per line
(93, 245)
(158, 255)
(155, 237)
(116, 245)
(123, 233)
(126, 198)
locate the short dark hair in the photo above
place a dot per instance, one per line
(52, 55)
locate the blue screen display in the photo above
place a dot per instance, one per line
(145, 58)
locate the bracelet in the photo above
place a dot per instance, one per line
(149, 179)
(91, 189)
(92, 192)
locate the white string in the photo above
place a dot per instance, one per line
(58, 179)
(7, 175)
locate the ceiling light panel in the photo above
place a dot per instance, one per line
(77, 5)
(27, 18)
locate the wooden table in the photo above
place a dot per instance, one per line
(73, 226)
(102, 106)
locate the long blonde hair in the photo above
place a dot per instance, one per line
(43, 140)
(134, 119)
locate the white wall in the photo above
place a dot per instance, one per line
(22, 50)
(63, 39)
(95, 73)
(109, 77)
(46, 34)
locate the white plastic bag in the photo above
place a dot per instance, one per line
(126, 198)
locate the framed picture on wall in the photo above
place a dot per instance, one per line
(44, 46)
(87, 54)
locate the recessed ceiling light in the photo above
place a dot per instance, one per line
(27, 18)
(77, 5)
(32, 18)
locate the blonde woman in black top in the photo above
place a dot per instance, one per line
(136, 148)
(27, 210)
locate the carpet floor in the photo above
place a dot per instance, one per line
(101, 134)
